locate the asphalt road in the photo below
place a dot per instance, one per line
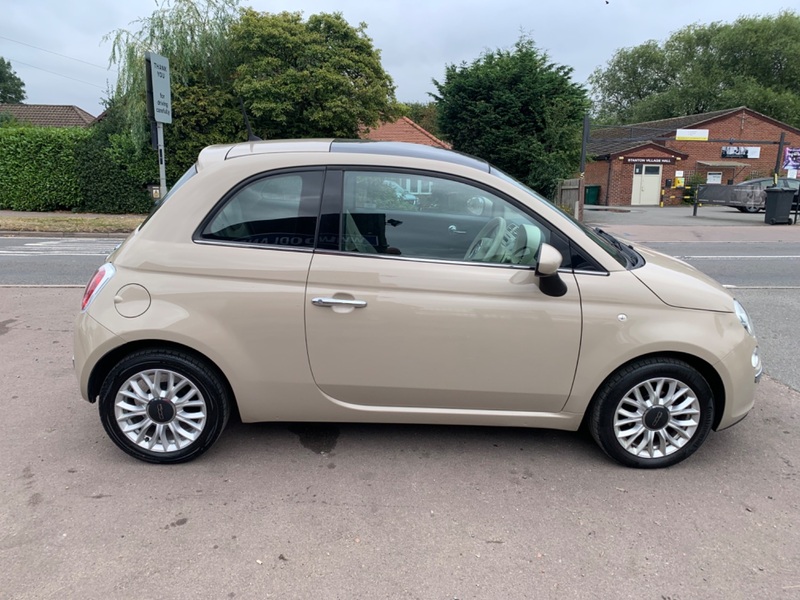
(51, 261)
(741, 264)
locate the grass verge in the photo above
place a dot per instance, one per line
(72, 224)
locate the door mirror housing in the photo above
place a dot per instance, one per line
(549, 261)
(547, 266)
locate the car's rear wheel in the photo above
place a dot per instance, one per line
(652, 413)
(748, 209)
(164, 406)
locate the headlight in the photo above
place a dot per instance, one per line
(744, 318)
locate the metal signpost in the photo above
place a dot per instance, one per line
(159, 106)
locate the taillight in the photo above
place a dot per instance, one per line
(96, 283)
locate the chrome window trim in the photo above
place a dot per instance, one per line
(234, 244)
(448, 262)
(418, 259)
(584, 272)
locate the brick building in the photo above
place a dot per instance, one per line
(644, 164)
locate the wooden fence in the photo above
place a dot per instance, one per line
(569, 196)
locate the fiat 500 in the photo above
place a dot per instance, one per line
(284, 279)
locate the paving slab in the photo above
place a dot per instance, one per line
(677, 224)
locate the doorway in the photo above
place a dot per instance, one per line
(646, 185)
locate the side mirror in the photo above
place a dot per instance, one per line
(549, 261)
(547, 266)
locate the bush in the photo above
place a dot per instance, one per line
(77, 169)
(108, 184)
(38, 168)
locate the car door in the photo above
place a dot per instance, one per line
(397, 317)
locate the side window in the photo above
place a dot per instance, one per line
(420, 216)
(276, 210)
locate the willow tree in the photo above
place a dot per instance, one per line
(195, 36)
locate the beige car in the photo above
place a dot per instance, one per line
(286, 280)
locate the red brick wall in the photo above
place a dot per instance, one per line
(741, 126)
(597, 174)
(616, 177)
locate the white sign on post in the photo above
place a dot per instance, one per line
(159, 107)
(162, 97)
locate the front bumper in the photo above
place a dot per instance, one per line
(741, 370)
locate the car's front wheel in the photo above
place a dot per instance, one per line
(652, 413)
(164, 406)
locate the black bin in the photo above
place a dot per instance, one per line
(778, 206)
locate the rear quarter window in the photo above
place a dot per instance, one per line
(276, 210)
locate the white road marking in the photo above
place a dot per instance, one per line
(62, 247)
(760, 287)
(40, 285)
(739, 256)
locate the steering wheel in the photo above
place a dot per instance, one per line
(486, 244)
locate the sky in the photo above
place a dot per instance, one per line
(56, 47)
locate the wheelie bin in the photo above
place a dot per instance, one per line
(778, 206)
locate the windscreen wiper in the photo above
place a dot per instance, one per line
(614, 241)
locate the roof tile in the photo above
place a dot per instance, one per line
(403, 130)
(48, 115)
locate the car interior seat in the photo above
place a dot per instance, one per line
(526, 245)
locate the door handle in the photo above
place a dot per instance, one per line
(338, 302)
(454, 229)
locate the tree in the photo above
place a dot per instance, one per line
(297, 79)
(638, 73)
(517, 110)
(202, 115)
(194, 35)
(12, 89)
(751, 62)
(317, 78)
(423, 114)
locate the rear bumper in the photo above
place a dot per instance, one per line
(91, 341)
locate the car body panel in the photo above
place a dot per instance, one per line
(242, 309)
(617, 332)
(752, 193)
(679, 284)
(428, 335)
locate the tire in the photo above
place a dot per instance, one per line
(653, 413)
(188, 414)
(748, 209)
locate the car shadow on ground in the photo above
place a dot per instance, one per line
(264, 441)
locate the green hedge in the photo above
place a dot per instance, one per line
(113, 181)
(38, 169)
(77, 169)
